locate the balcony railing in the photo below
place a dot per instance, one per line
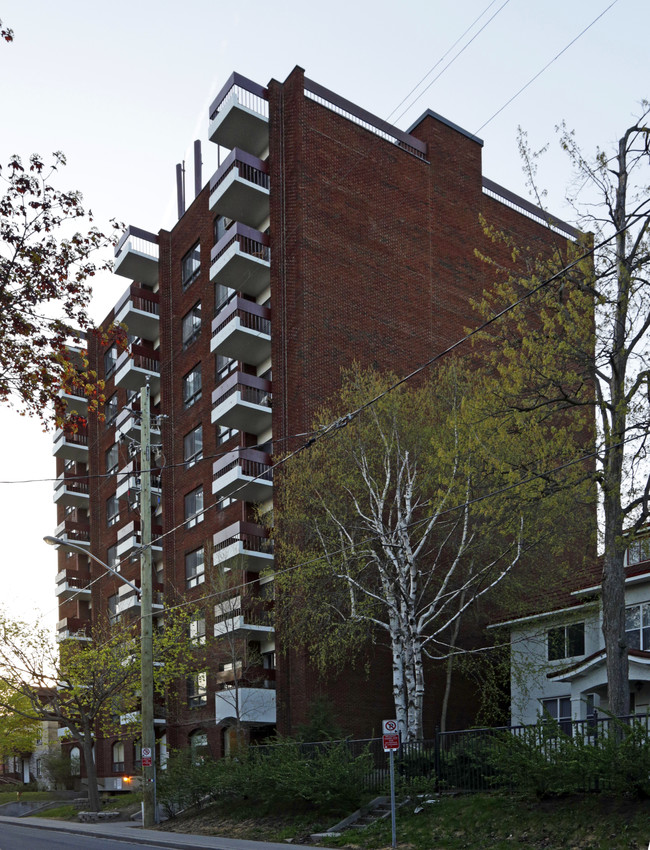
(129, 537)
(241, 260)
(243, 402)
(239, 189)
(242, 331)
(135, 365)
(69, 585)
(254, 706)
(71, 490)
(74, 402)
(244, 474)
(76, 532)
(73, 628)
(243, 545)
(139, 310)
(71, 446)
(136, 255)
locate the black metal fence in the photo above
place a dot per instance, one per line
(595, 754)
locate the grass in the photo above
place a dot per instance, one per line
(10, 796)
(63, 812)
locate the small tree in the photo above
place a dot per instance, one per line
(17, 736)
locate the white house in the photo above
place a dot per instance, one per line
(558, 660)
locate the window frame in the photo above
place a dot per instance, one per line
(110, 361)
(197, 690)
(112, 458)
(560, 642)
(191, 265)
(642, 630)
(189, 323)
(112, 511)
(194, 517)
(191, 392)
(195, 574)
(195, 454)
(564, 721)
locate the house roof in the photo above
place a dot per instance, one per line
(573, 671)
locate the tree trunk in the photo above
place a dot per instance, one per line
(613, 596)
(94, 803)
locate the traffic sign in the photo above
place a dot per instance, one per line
(146, 757)
(390, 742)
(388, 727)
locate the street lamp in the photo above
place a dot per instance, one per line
(146, 670)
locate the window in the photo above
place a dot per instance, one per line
(193, 446)
(194, 507)
(75, 761)
(197, 690)
(194, 568)
(566, 641)
(559, 708)
(637, 551)
(191, 265)
(112, 608)
(222, 504)
(199, 747)
(268, 659)
(39, 768)
(192, 387)
(221, 224)
(197, 630)
(110, 361)
(637, 626)
(112, 458)
(223, 367)
(112, 511)
(112, 558)
(118, 757)
(222, 296)
(137, 754)
(191, 325)
(224, 434)
(110, 410)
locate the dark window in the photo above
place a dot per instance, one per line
(224, 366)
(638, 551)
(112, 511)
(112, 458)
(112, 608)
(222, 295)
(224, 434)
(637, 626)
(197, 630)
(110, 410)
(197, 690)
(191, 325)
(566, 641)
(191, 265)
(194, 568)
(192, 387)
(193, 446)
(194, 507)
(112, 558)
(110, 361)
(559, 708)
(221, 224)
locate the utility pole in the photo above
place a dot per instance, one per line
(146, 621)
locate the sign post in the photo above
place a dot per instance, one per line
(390, 741)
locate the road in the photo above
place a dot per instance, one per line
(24, 838)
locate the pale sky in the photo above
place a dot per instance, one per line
(124, 88)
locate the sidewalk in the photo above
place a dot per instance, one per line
(121, 831)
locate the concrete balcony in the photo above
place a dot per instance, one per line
(71, 446)
(71, 490)
(243, 402)
(129, 483)
(243, 474)
(139, 310)
(129, 600)
(129, 540)
(239, 189)
(134, 366)
(74, 403)
(136, 256)
(241, 260)
(71, 585)
(73, 532)
(243, 546)
(128, 423)
(242, 331)
(231, 618)
(239, 116)
(73, 628)
(255, 706)
(133, 718)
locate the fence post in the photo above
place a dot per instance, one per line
(436, 756)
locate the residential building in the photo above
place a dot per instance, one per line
(324, 236)
(558, 658)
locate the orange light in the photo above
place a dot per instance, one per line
(127, 779)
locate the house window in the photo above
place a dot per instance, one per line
(75, 761)
(39, 768)
(223, 367)
(193, 446)
(199, 747)
(112, 458)
(224, 434)
(112, 608)
(197, 690)
(637, 626)
(112, 558)
(112, 511)
(566, 641)
(192, 386)
(191, 265)
(110, 410)
(118, 757)
(559, 708)
(191, 325)
(110, 361)
(222, 296)
(221, 224)
(197, 630)
(638, 551)
(194, 507)
(194, 569)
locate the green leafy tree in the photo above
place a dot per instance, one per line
(388, 522)
(553, 359)
(16, 735)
